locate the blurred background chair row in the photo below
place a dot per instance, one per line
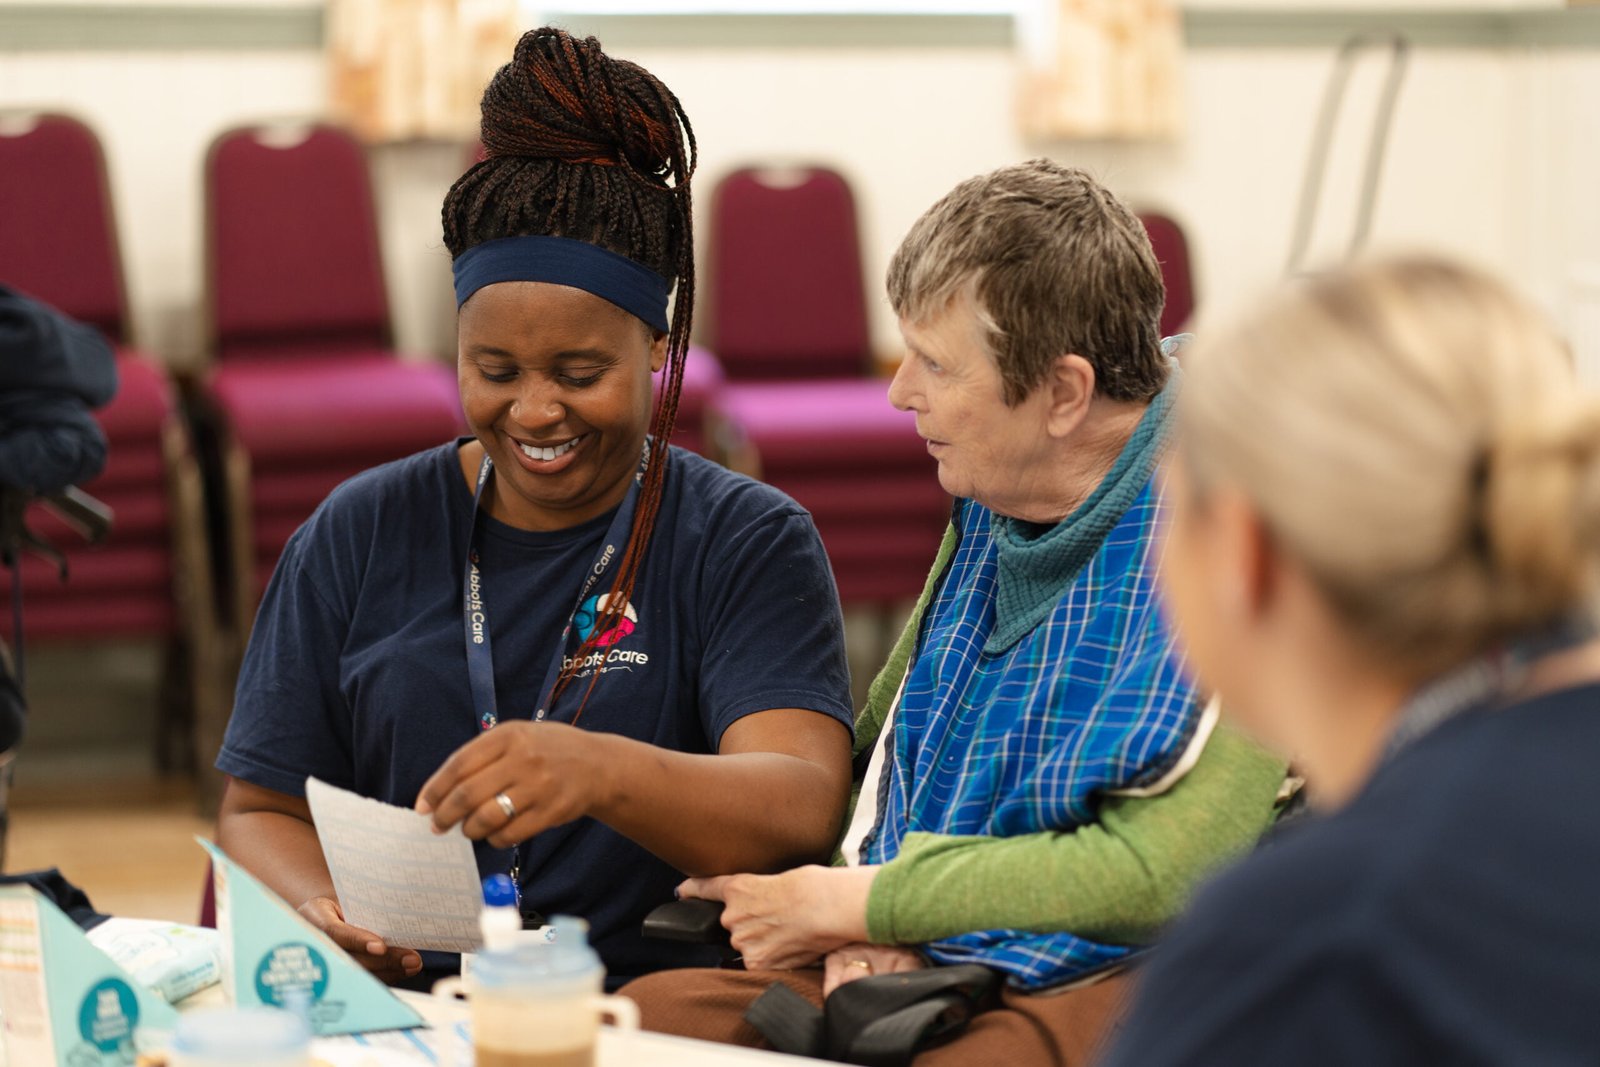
(153, 579)
(209, 474)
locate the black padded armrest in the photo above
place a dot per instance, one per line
(697, 922)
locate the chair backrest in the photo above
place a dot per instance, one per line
(787, 300)
(1172, 251)
(208, 899)
(292, 241)
(58, 239)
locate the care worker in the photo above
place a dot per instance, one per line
(1385, 549)
(590, 651)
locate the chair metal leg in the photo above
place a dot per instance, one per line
(175, 710)
(728, 444)
(241, 541)
(7, 764)
(197, 662)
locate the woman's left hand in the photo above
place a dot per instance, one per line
(849, 962)
(550, 772)
(789, 920)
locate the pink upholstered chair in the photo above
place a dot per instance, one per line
(788, 321)
(152, 576)
(305, 384)
(1172, 251)
(787, 299)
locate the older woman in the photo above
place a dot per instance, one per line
(585, 648)
(1384, 550)
(1043, 783)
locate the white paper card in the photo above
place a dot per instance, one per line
(394, 875)
(23, 997)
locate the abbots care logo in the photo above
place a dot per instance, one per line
(106, 1019)
(589, 614)
(606, 656)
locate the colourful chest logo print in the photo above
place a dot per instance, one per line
(589, 614)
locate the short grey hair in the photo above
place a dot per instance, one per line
(1056, 264)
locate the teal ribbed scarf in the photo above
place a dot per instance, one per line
(1034, 571)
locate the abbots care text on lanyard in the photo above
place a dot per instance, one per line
(480, 654)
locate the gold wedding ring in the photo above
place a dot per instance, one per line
(859, 963)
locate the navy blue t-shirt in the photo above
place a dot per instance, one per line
(356, 671)
(1449, 915)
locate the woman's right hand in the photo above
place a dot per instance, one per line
(389, 963)
(789, 920)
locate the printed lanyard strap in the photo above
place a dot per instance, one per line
(480, 653)
(1483, 681)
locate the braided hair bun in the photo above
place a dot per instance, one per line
(1541, 514)
(565, 99)
(584, 146)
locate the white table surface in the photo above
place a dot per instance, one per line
(616, 1049)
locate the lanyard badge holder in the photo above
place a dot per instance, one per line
(480, 654)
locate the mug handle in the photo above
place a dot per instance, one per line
(623, 1011)
(452, 988)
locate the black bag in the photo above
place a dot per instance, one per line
(54, 887)
(13, 714)
(881, 1021)
(53, 369)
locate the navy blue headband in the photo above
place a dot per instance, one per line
(631, 286)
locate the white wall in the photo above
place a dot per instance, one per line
(1494, 155)
(1555, 150)
(908, 125)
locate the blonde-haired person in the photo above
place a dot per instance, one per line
(1386, 525)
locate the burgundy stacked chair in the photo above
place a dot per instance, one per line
(306, 386)
(789, 324)
(1172, 251)
(152, 576)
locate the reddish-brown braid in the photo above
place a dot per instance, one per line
(585, 146)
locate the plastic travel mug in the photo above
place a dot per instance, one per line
(539, 1005)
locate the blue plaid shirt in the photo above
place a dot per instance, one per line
(1029, 738)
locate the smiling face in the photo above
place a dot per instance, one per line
(987, 450)
(555, 383)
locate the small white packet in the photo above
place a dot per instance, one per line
(173, 959)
